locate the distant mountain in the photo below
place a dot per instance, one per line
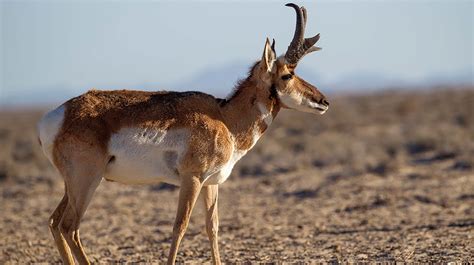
(219, 81)
(459, 78)
(364, 82)
(38, 96)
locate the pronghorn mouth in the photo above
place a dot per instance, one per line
(319, 107)
(322, 110)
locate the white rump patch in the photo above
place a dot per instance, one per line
(48, 128)
(144, 155)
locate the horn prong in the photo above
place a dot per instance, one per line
(309, 42)
(313, 49)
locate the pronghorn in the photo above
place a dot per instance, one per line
(188, 139)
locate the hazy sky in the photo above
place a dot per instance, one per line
(72, 46)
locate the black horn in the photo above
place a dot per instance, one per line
(300, 46)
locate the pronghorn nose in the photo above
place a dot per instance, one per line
(324, 102)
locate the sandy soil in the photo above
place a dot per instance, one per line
(384, 177)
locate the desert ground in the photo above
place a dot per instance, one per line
(387, 176)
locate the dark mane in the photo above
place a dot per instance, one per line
(240, 84)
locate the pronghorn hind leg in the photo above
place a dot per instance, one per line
(188, 193)
(54, 222)
(209, 195)
(79, 198)
(82, 169)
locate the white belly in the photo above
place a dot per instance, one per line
(145, 155)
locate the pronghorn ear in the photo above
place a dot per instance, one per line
(269, 56)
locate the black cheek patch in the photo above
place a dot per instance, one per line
(273, 92)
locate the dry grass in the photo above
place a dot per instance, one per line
(385, 177)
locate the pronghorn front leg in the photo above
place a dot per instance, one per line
(188, 193)
(209, 195)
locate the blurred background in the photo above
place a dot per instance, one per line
(387, 174)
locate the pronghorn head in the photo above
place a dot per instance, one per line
(293, 91)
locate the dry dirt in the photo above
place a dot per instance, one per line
(382, 177)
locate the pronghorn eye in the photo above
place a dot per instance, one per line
(287, 77)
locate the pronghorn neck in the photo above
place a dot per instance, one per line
(250, 110)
